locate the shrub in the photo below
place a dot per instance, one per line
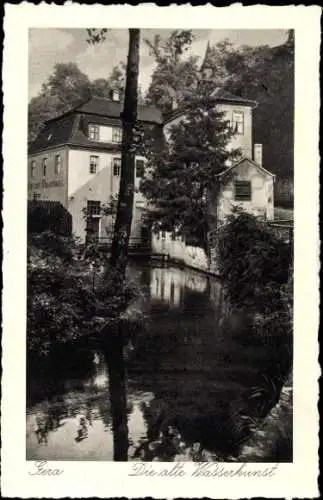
(254, 263)
(62, 304)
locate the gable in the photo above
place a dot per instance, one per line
(246, 167)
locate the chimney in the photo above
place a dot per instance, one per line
(257, 154)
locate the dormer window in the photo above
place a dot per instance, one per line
(238, 122)
(94, 132)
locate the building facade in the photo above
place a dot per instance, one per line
(76, 160)
(246, 183)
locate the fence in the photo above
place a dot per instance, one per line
(45, 215)
(283, 229)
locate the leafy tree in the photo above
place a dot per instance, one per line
(254, 263)
(174, 78)
(69, 84)
(263, 73)
(184, 171)
(101, 87)
(65, 88)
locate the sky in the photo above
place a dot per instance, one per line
(48, 46)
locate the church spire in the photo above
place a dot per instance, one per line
(206, 69)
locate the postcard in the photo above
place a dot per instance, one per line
(161, 251)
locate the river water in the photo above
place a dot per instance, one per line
(189, 367)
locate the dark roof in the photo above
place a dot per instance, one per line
(56, 132)
(71, 127)
(242, 160)
(106, 107)
(102, 106)
(223, 96)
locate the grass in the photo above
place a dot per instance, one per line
(272, 440)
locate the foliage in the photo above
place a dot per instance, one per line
(272, 440)
(258, 277)
(174, 77)
(266, 74)
(49, 245)
(66, 88)
(184, 172)
(62, 304)
(263, 73)
(254, 263)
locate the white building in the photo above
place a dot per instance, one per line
(76, 160)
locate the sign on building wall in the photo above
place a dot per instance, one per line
(46, 184)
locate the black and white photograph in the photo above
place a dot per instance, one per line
(160, 241)
(160, 245)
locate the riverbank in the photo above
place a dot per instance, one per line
(272, 439)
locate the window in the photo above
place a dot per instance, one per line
(58, 164)
(140, 168)
(116, 134)
(94, 132)
(243, 190)
(238, 122)
(32, 169)
(44, 167)
(93, 208)
(94, 162)
(36, 196)
(116, 166)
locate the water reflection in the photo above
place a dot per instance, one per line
(167, 284)
(189, 383)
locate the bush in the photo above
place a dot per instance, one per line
(62, 304)
(254, 263)
(48, 245)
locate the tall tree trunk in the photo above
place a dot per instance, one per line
(119, 251)
(122, 228)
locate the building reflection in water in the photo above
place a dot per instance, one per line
(167, 284)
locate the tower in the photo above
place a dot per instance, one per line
(207, 69)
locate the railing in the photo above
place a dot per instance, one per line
(284, 229)
(135, 244)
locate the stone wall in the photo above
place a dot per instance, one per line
(175, 249)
